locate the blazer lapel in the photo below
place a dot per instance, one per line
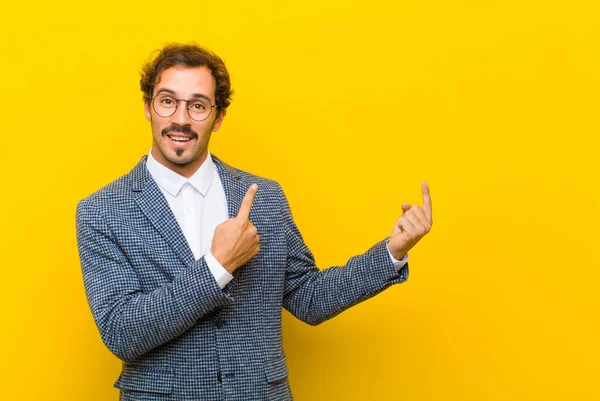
(151, 201)
(232, 185)
(235, 191)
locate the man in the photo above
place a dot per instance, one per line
(188, 261)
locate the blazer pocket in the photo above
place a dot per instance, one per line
(276, 370)
(152, 381)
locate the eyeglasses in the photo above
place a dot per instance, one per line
(198, 109)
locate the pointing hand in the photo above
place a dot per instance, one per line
(414, 223)
(236, 240)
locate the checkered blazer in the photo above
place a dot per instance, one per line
(179, 335)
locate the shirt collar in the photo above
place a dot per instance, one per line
(172, 182)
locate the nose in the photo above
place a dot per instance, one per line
(181, 115)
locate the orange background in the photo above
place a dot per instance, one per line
(350, 105)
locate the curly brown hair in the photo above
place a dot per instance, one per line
(191, 56)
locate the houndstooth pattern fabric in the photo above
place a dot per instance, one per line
(179, 335)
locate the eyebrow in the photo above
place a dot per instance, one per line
(194, 95)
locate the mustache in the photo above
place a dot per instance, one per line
(186, 129)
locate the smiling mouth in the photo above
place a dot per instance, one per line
(180, 138)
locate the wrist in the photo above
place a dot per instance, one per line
(221, 260)
(398, 256)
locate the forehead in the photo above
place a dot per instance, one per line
(184, 81)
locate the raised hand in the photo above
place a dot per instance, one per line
(414, 223)
(236, 240)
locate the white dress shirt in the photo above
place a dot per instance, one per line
(199, 205)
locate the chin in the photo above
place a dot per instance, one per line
(180, 161)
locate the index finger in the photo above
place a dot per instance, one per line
(244, 212)
(427, 202)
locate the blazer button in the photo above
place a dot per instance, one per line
(219, 378)
(219, 322)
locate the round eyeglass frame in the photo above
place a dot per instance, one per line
(177, 105)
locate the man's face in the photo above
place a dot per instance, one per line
(179, 142)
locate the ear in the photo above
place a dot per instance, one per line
(219, 121)
(147, 110)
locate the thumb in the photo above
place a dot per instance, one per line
(406, 207)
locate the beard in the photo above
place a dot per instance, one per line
(183, 156)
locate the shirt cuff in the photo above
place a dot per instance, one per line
(398, 264)
(221, 275)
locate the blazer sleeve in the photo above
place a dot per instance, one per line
(314, 295)
(130, 321)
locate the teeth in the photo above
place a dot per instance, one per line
(179, 138)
